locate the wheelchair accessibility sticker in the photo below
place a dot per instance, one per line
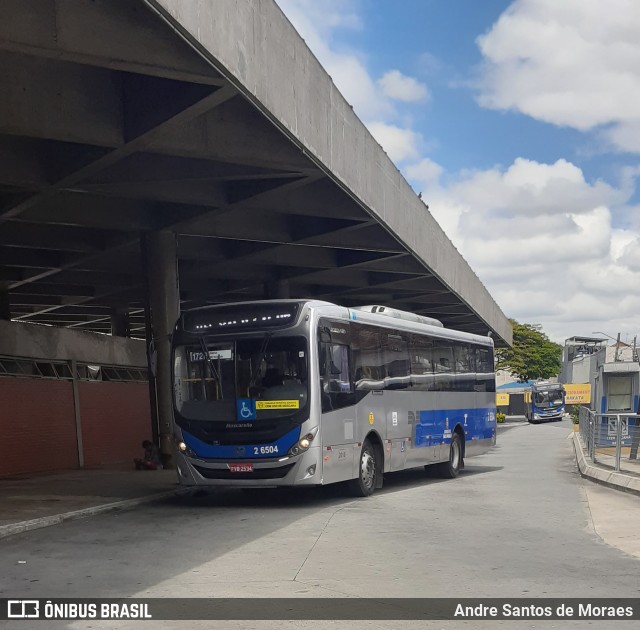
(246, 408)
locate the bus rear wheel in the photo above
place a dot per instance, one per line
(365, 483)
(451, 468)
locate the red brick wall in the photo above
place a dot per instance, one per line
(37, 426)
(115, 421)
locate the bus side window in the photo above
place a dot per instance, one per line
(368, 363)
(395, 358)
(464, 360)
(421, 351)
(335, 380)
(443, 365)
(485, 381)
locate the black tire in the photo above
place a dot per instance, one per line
(368, 471)
(451, 468)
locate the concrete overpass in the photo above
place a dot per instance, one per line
(211, 120)
(166, 154)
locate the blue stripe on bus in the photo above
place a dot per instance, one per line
(279, 448)
(603, 404)
(435, 426)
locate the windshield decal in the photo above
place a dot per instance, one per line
(277, 404)
(246, 409)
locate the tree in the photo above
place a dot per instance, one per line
(532, 356)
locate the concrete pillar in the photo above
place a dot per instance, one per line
(277, 290)
(120, 326)
(5, 307)
(164, 300)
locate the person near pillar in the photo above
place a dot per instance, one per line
(151, 459)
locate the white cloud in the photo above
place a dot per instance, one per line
(574, 63)
(624, 136)
(321, 16)
(540, 237)
(400, 144)
(427, 172)
(630, 257)
(552, 247)
(317, 21)
(400, 87)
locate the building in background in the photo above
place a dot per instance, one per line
(605, 377)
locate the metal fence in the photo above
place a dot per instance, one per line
(611, 439)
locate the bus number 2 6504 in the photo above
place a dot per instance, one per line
(264, 450)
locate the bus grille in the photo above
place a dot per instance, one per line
(258, 473)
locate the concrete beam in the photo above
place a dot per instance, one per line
(49, 99)
(114, 34)
(150, 167)
(60, 238)
(40, 342)
(234, 132)
(139, 143)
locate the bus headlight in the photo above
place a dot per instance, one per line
(303, 443)
(183, 448)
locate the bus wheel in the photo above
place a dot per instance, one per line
(451, 468)
(365, 483)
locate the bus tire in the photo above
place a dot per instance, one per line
(451, 468)
(365, 483)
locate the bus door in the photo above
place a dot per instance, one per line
(337, 400)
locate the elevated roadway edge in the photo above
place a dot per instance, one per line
(257, 49)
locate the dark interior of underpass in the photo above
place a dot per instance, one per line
(107, 135)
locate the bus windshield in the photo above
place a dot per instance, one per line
(548, 398)
(221, 380)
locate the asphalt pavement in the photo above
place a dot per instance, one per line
(519, 522)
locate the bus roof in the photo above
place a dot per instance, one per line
(384, 318)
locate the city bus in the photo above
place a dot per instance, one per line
(545, 402)
(307, 393)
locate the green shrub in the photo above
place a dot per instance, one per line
(574, 413)
(501, 417)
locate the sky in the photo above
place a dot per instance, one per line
(519, 122)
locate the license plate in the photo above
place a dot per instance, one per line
(240, 468)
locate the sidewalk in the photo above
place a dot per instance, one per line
(623, 480)
(626, 480)
(34, 501)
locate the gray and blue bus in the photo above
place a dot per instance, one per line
(545, 402)
(306, 393)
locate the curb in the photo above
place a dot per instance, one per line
(56, 519)
(603, 476)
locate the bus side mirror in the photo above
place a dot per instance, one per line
(325, 335)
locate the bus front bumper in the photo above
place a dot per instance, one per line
(303, 470)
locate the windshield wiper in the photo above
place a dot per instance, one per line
(212, 367)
